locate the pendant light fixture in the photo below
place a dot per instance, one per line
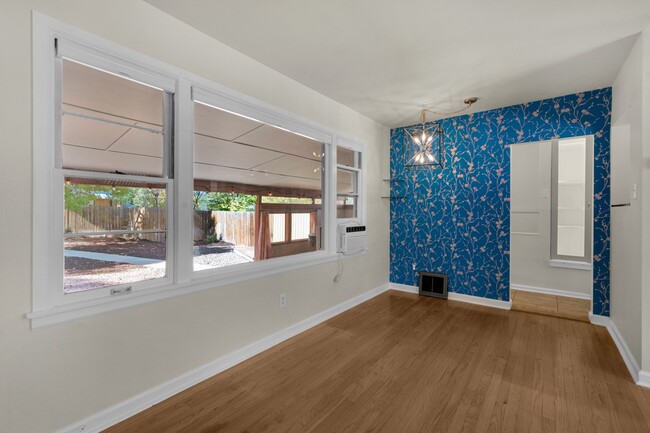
(424, 143)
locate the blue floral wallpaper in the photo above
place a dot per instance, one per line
(457, 220)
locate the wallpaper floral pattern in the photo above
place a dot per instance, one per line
(457, 220)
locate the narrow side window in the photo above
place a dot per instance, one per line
(571, 211)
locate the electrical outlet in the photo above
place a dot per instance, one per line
(283, 300)
(413, 266)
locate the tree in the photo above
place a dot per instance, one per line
(78, 196)
(146, 197)
(229, 201)
(199, 200)
(286, 200)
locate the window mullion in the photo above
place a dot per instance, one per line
(168, 135)
(183, 221)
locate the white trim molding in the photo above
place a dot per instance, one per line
(487, 302)
(644, 378)
(641, 378)
(231, 275)
(127, 408)
(555, 292)
(404, 288)
(598, 320)
(623, 348)
(570, 264)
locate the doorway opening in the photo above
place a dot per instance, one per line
(551, 227)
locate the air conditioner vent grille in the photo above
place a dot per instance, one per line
(432, 284)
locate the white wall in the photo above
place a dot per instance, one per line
(626, 225)
(530, 224)
(645, 194)
(56, 375)
(630, 287)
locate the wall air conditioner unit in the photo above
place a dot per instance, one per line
(352, 239)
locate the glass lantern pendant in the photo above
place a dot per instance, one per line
(424, 143)
(423, 146)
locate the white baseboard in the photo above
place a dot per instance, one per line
(623, 348)
(599, 320)
(644, 378)
(494, 303)
(554, 292)
(404, 288)
(640, 377)
(134, 405)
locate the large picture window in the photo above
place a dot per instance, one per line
(252, 185)
(149, 180)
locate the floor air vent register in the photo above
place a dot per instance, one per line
(434, 285)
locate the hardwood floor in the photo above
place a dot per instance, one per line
(551, 305)
(403, 363)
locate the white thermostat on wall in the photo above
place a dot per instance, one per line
(352, 239)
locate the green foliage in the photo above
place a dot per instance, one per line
(78, 196)
(224, 201)
(199, 200)
(286, 200)
(145, 197)
(213, 238)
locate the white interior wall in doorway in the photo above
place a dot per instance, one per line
(530, 226)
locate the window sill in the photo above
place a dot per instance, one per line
(568, 264)
(204, 280)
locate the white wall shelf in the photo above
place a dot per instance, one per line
(392, 180)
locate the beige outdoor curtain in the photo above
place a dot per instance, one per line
(263, 237)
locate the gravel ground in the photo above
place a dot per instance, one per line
(111, 274)
(118, 245)
(218, 260)
(121, 274)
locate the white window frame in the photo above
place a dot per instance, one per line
(361, 179)
(571, 262)
(73, 51)
(212, 95)
(47, 263)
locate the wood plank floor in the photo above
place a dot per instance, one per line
(403, 363)
(551, 305)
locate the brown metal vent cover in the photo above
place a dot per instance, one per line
(432, 284)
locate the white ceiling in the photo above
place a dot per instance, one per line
(388, 59)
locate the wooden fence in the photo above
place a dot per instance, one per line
(235, 227)
(108, 218)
